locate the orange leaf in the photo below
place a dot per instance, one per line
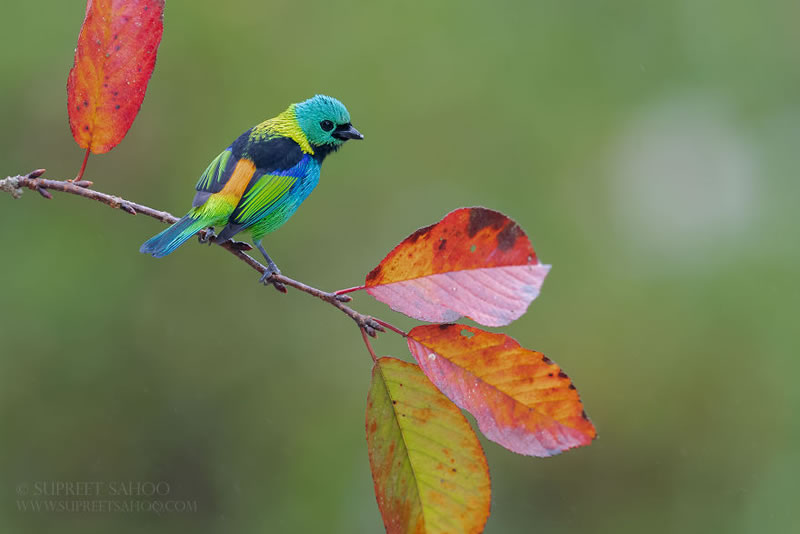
(475, 262)
(114, 59)
(519, 397)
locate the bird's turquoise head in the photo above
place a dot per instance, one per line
(325, 121)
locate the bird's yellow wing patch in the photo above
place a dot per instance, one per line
(240, 178)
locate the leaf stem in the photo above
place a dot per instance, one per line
(349, 290)
(391, 327)
(83, 165)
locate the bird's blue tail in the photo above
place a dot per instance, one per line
(167, 241)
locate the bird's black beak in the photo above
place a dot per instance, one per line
(346, 131)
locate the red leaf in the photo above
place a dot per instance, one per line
(114, 59)
(519, 397)
(475, 262)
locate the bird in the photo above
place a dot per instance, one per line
(260, 180)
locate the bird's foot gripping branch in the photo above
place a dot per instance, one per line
(475, 263)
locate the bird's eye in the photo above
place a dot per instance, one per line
(326, 125)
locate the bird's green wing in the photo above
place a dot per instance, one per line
(217, 173)
(262, 197)
(266, 196)
(214, 177)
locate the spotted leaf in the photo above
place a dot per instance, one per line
(428, 466)
(114, 59)
(475, 262)
(519, 397)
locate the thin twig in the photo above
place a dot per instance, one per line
(369, 345)
(81, 188)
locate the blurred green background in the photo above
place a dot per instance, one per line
(649, 149)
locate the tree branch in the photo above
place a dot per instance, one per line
(15, 184)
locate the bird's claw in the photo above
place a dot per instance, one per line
(208, 237)
(265, 279)
(267, 275)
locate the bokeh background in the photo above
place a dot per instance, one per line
(649, 149)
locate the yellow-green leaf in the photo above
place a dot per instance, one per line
(428, 466)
